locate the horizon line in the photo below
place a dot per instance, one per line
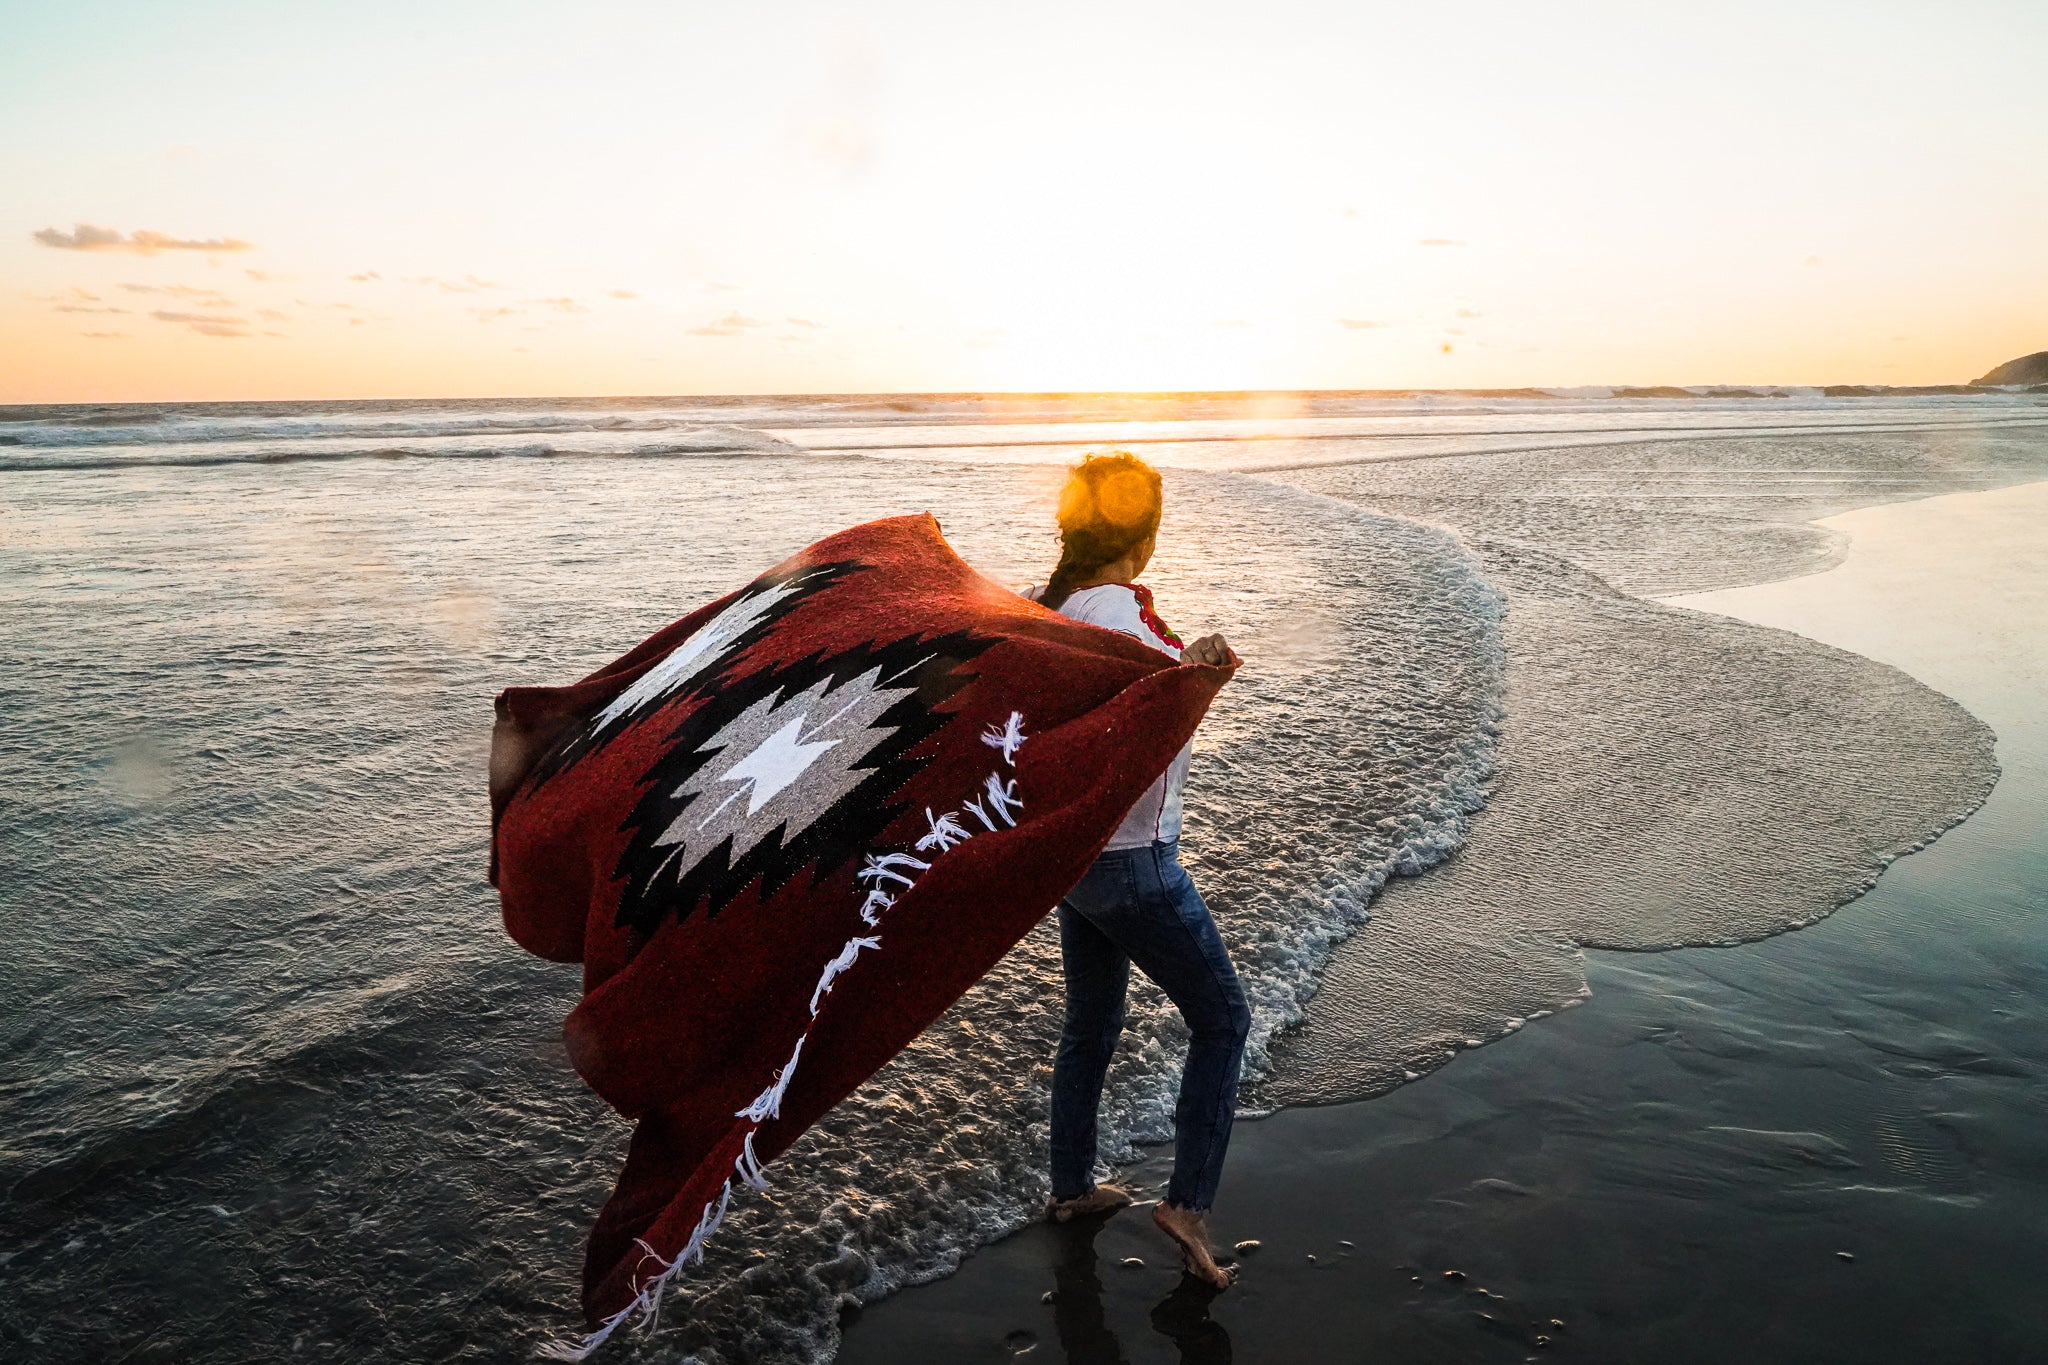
(1696, 390)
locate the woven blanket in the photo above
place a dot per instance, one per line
(784, 833)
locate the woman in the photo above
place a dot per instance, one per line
(1136, 904)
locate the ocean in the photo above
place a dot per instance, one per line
(278, 1085)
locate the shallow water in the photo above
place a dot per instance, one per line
(1825, 1145)
(275, 1007)
(270, 1062)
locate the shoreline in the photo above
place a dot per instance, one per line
(1286, 1164)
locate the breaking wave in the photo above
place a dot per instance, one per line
(267, 444)
(73, 428)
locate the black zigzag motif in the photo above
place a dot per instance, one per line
(789, 768)
(698, 663)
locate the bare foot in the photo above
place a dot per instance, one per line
(1101, 1199)
(1190, 1231)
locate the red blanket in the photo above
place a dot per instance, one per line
(783, 834)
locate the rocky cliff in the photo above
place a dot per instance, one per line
(2028, 369)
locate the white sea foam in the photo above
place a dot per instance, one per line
(680, 439)
(139, 426)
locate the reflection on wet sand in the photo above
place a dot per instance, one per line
(1082, 1322)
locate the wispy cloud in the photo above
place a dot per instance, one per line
(1440, 241)
(1361, 324)
(182, 291)
(272, 315)
(732, 324)
(262, 276)
(167, 315)
(620, 294)
(142, 242)
(491, 314)
(206, 324)
(103, 336)
(468, 284)
(74, 300)
(1470, 313)
(560, 305)
(802, 322)
(366, 277)
(716, 287)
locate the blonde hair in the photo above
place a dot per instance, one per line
(1111, 505)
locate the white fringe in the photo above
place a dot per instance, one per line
(877, 900)
(749, 1166)
(647, 1303)
(1008, 738)
(946, 832)
(768, 1104)
(885, 866)
(1002, 797)
(838, 965)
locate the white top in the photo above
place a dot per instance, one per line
(1127, 609)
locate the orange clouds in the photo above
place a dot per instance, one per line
(142, 242)
(206, 324)
(211, 297)
(731, 325)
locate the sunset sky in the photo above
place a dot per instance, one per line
(239, 200)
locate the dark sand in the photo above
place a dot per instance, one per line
(1830, 1145)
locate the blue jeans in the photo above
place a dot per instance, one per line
(1139, 905)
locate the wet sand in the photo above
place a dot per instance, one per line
(1827, 1145)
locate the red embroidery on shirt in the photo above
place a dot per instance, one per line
(1151, 617)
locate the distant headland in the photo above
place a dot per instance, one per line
(2028, 369)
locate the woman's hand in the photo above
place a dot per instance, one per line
(1213, 650)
